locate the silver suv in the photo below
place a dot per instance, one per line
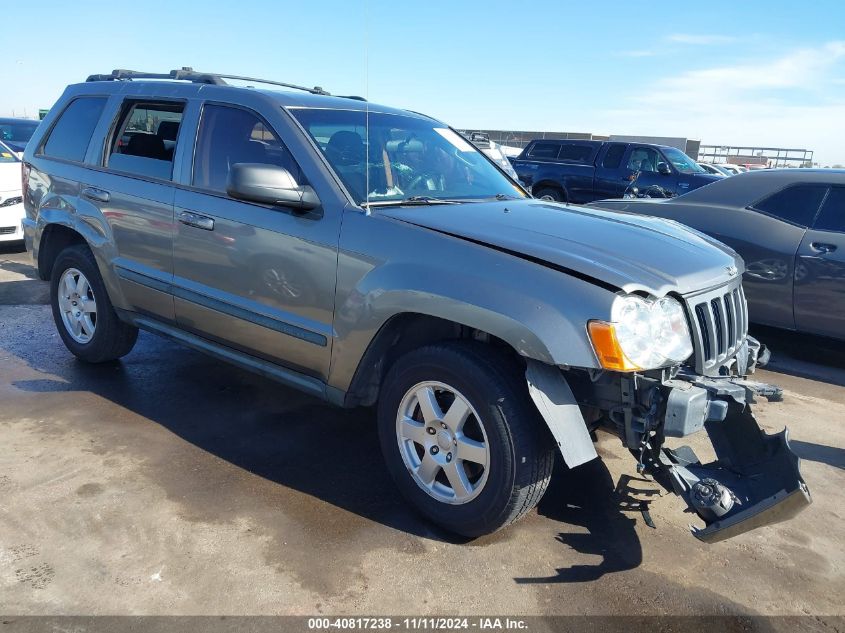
(372, 256)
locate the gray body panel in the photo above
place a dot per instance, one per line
(788, 283)
(309, 292)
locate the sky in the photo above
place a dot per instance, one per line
(739, 72)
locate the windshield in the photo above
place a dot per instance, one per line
(682, 162)
(17, 131)
(7, 155)
(402, 157)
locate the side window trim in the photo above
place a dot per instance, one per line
(39, 152)
(753, 205)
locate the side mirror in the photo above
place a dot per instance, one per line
(663, 168)
(269, 184)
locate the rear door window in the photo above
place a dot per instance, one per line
(544, 151)
(832, 214)
(613, 157)
(72, 132)
(145, 139)
(797, 204)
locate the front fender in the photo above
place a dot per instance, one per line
(541, 313)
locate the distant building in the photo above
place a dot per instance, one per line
(760, 156)
(514, 138)
(733, 154)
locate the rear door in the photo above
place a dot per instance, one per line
(133, 188)
(253, 277)
(610, 179)
(820, 270)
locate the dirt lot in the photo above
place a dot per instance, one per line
(170, 483)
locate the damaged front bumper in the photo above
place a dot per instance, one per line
(755, 479)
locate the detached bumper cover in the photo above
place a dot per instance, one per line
(755, 480)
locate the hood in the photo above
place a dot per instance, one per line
(704, 179)
(621, 250)
(10, 177)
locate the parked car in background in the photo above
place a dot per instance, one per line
(15, 132)
(789, 227)
(494, 152)
(11, 200)
(718, 170)
(583, 171)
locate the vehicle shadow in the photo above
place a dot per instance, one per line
(257, 425)
(12, 247)
(804, 355)
(586, 498)
(830, 455)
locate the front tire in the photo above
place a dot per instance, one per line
(83, 313)
(551, 194)
(462, 439)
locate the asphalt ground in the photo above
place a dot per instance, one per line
(171, 483)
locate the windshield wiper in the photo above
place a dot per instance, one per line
(411, 201)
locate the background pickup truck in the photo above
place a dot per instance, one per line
(583, 171)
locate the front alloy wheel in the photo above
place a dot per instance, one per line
(442, 442)
(461, 437)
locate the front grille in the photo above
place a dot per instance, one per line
(7, 230)
(719, 325)
(8, 202)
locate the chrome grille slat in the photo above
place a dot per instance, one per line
(719, 320)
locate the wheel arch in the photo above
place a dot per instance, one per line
(54, 239)
(400, 334)
(551, 184)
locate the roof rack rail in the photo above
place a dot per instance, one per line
(189, 74)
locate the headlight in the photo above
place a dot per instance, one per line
(642, 334)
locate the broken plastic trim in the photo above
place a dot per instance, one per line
(755, 480)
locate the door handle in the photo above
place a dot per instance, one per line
(821, 247)
(198, 221)
(97, 195)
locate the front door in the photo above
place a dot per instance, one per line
(257, 278)
(642, 173)
(820, 271)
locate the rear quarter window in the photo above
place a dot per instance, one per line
(544, 151)
(69, 138)
(796, 204)
(575, 153)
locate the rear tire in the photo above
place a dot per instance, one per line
(473, 473)
(83, 313)
(551, 194)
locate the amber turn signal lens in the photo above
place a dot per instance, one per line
(607, 348)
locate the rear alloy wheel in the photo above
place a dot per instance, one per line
(82, 310)
(461, 437)
(77, 306)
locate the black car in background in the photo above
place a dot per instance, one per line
(789, 227)
(583, 171)
(16, 132)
